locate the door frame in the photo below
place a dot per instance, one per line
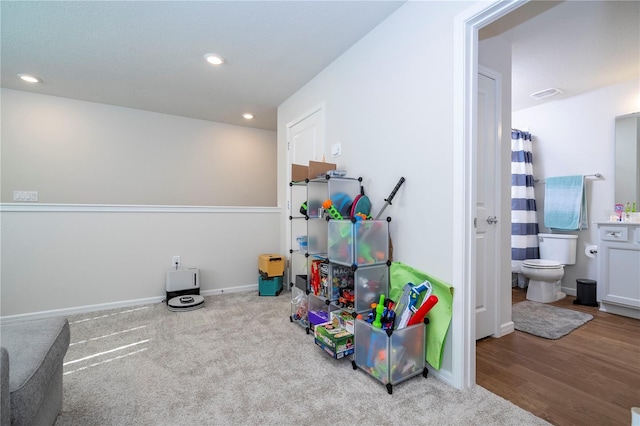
(466, 27)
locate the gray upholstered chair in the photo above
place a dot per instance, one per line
(31, 365)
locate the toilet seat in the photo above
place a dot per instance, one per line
(541, 264)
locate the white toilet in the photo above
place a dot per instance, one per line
(545, 274)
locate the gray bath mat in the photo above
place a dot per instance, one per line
(545, 320)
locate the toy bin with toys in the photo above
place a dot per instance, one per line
(339, 191)
(358, 242)
(319, 310)
(390, 356)
(370, 283)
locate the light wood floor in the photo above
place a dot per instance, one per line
(588, 377)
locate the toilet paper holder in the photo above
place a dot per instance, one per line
(591, 251)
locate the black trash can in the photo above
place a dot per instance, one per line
(586, 292)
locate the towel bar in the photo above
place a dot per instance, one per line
(596, 175)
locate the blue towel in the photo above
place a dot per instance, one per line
(565, 203)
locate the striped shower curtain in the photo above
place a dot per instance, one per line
(524, 217)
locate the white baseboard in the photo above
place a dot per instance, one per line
(443, 376)
(240, 289)
(114, 305)
(506, 328)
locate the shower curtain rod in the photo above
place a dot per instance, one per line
(595, 175)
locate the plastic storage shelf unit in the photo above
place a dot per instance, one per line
(390, 356)
(358, 243)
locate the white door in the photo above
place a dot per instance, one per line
(305, 138)
(305, 142)
(487, 191)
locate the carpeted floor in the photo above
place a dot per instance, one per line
(240, 361)
(548, 321)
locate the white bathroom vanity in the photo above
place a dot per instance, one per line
(619, 268)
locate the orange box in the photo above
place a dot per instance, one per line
(271, 265)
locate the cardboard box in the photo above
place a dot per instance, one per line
(319, 168)
(332, 352)
(271, 265)
(343, 319)
(299, 173)
(336, 338)
(315, 168)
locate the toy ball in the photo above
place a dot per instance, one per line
(342, 202)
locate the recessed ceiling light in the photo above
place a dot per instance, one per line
(546, 93)
(29, 78)
(214, 59)
(247, 116)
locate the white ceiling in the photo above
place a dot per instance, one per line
(575, 46)
(149, 55)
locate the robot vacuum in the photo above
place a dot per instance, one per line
(183, 290)
(185, 303)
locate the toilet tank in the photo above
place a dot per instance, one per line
(558, 247)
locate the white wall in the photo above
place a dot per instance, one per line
(389, 102)
(118, 195)
(80, 152)
(576, 136)
(61, 262)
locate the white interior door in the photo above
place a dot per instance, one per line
(305, 142)
(487, 241)
(305, 138)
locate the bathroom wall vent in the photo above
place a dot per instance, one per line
(546, 93)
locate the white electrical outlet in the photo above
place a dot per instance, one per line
(25, 196)
(177, 262)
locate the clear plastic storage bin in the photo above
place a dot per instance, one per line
(319, 311)
(393, 358)
(341, 191)
(317, 236)
(299, 308)
(369, 284)
(360, 243)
